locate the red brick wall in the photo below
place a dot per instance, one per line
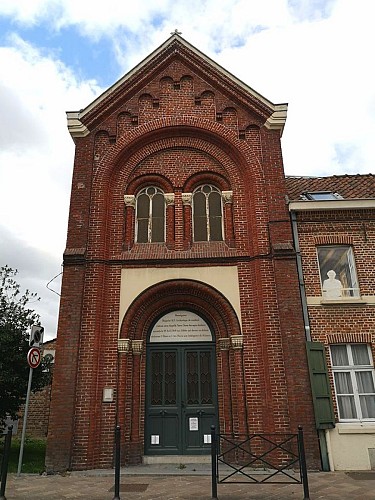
(176, 126)
(344, 322)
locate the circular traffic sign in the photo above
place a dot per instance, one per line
(34, 357)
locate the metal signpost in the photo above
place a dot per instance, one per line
(33, 358)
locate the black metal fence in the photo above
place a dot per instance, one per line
(5, 461)
(258, 459)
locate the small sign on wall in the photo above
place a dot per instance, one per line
(154, 439)
(207, 439)
(107, 395)
(193, 424)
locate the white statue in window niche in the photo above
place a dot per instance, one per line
(332, 288)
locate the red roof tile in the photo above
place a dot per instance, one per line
(348, 186)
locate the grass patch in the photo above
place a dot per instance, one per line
(34, 452)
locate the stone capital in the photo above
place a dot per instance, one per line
(224, 344)
(187, 198)
(236, 341)
(137, 346)
(227, 196)
(169, 199)
(129, 200)
(123, 345)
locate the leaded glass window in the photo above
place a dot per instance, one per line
(150, 215)
(207, 214)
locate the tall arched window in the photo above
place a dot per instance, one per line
(150, 215)
(207, 214)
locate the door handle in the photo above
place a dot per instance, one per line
(182, 404)
(162, 412)
(200, 412)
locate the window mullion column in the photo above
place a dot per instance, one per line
(149, 225)
(208, 219)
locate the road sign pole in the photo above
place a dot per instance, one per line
(24, 423)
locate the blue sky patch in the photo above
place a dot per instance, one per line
(87, 59)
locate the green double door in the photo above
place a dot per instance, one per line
(181, 398)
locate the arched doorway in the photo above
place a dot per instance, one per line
(139, 338)
(181, 389)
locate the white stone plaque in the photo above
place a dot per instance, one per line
(193, 424)
(155, 439)
(181, 326)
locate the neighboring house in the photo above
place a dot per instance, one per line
(183, 278)
(39, 404)
(334, 220)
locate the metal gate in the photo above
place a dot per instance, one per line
(258, 458)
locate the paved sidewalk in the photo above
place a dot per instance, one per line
(192, 481)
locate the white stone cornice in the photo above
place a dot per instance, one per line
(278, 118)
(75, 126)
(310, 205)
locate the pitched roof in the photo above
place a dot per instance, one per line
(79, 121)
(347, 186)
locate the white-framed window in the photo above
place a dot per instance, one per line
(353, 375)
(150, 215)
(207, 214)
(338, 275)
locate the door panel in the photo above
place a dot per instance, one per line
(181, 399)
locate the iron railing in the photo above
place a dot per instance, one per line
(5, 461)
(258, 459)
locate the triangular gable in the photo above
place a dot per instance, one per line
(80, 122)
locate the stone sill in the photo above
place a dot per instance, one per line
(368, 300)
(345, 302)
(356, 428)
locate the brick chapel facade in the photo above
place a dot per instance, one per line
(180, 303)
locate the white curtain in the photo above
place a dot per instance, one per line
(360, 354)
(339, 355)
(346, 403)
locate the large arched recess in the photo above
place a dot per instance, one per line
(155, 301)
(116, 167)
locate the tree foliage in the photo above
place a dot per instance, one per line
(16, 318)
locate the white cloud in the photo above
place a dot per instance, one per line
(36, 160)
(35, 269)
(314, 54)
(36, 156)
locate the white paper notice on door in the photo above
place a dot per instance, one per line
(193, 424)
(155, 439)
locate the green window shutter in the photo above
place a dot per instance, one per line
(320, 386)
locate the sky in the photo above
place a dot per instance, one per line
(59, 55)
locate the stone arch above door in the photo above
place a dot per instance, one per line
(183, 294)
